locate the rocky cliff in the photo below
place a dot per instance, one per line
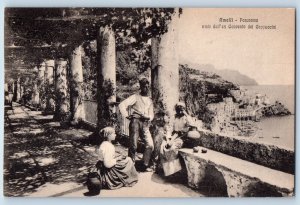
(198, 88)
(277, 109)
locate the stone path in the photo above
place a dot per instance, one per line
(43, 159)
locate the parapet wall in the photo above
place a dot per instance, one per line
(264, 154)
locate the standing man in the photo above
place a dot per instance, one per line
(141, 113)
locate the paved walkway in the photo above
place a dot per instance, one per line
(43, 159)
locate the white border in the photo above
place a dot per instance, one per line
(143, 3)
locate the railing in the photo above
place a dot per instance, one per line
(124, 124)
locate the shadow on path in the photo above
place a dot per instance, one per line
(36, 154)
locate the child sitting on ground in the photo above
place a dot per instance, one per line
(114, 172)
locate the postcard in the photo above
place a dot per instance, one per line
(149, 102)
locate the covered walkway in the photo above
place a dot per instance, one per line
(44, 159)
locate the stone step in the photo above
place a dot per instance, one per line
(242, 178)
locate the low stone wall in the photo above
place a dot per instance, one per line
(239, 178)
(90, 108)
(259, 153)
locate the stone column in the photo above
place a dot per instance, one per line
(41, 88)
(41, 72)
(11, 92)
(35, 95)
(49, 86)
(21, 93)
(18, 89)
(62, 104)
(106, 95)
(15, 90)
(35, 99)
(13, 87)
(77, 109)
(49, 71)
(165, 69)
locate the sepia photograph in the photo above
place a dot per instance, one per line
(149, 102)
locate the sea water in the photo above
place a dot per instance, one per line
(276, 130)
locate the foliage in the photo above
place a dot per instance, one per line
(42, 94)
(105, 92)
(77, 94)
(46, 92)
(130, 63)
(193, 93)
(126, 70)
(89, 64)
(54, 32)
(62, 95)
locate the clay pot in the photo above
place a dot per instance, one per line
(193, 134)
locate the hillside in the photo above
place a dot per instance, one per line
(198, 88)
(230, 75)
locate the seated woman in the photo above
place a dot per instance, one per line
(115, 172)
(174, 140)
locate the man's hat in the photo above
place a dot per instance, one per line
(143, 81)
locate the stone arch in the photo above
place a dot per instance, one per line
(213, 184)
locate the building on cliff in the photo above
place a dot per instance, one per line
(232, 120)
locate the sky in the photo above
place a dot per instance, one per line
(267, 56)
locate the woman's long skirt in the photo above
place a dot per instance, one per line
(122, 174)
